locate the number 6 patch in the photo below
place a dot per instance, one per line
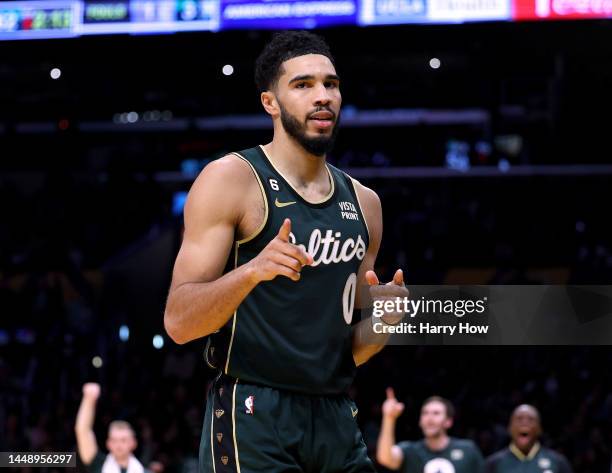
(273, 184)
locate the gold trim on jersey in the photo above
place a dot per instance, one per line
(263, 195)
(329, 174)
(521, 456)
(242, 242)
(212, 418)
(234, 426)
(229, 349)
(365, 220)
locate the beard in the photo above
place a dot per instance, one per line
(317, 145)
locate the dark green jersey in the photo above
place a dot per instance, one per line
(459, 456)
(98, 461)
(297, 335)
(539, 460)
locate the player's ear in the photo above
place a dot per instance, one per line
(270, 105)
(448, 423)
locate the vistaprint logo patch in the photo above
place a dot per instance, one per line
(413, 308)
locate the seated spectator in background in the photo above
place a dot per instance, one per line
(525, 454)
(121, 441)
(437, 452)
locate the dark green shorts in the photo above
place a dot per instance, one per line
(253, 429)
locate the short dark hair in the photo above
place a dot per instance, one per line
(284, 46)
(450, 409)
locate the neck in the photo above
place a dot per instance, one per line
(294, 161)
(529, 451)
(438, 442)
(123, 462)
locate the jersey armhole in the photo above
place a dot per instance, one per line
(264, 196)
(353, 190)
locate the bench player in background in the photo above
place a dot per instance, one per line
(525, 453)
(121, 441)
(437, 452)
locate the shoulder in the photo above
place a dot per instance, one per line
(466, 444)
(97, 462)
(463, 443)
(228, 169)
(496, 457)
(367, 197)
(220, 185)
(554, 455)
(408, 446)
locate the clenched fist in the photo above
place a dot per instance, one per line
(91, 391)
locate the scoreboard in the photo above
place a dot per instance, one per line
(69, 18)
(48, 19)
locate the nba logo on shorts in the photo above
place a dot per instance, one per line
(249, 402)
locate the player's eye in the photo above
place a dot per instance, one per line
(301, 85)
(331, 85)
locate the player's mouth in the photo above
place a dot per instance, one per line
(524, 437)
(322, 119)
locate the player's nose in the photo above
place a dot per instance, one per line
(322, 95)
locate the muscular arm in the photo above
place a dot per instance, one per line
(201, 299)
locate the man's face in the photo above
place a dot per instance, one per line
(120, 443)
(434, 421)
(525, 427)
(308, 95)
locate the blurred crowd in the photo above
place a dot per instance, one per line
(71, 265)
(162, 394)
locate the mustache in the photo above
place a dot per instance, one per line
(322, 109)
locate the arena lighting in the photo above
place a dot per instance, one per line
(132, 117)
(434, 63)
(228, 70)
(124, 333)
(97, 362)
(55, 73)
(503, 165)
(63, 124)
(158, 342)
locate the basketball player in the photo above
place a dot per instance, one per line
(121, 441)
(277, 243)
(525, 454)
(437, 452)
